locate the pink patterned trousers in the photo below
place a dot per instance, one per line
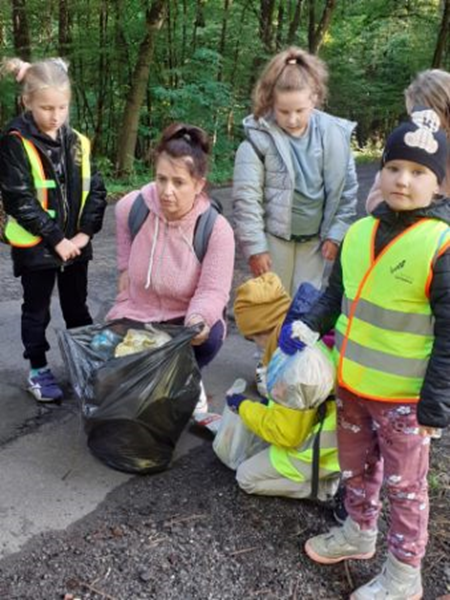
(379, 443)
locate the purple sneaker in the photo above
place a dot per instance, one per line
(44, 387)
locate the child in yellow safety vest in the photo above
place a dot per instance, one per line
(54, 205)
(285, 468)
(389, 300)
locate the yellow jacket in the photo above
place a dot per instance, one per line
(277, 424)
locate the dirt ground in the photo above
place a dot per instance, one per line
(190, 534)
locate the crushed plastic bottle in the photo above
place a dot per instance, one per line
(104, 343)
(239, 386)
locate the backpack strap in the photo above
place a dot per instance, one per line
(138, 213)
(256, 150)
(321, 412)
(203, 227)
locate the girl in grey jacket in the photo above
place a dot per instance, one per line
(294, 184)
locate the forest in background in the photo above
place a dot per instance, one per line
(137, 65)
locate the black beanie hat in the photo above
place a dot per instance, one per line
(420, 140)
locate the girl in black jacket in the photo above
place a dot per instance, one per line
(55, 205)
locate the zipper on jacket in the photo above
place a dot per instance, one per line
(61, 200)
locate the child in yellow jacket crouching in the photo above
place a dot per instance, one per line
(301, 461)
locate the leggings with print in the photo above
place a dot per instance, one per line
(380, 442)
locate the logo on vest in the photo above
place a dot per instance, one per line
(395, 270)
(399, 266)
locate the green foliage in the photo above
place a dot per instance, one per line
(373, 49)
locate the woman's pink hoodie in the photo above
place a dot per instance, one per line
(166, 280)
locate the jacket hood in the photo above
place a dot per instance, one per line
(26, 125)
(261, 124)
(438, 209)
(178, 227)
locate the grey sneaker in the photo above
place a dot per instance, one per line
(397, 581)
(341, 543)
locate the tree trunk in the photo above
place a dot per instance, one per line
(123, 62)
(199, 21)
(223, 36)
(63, 28)
(237, 48)
(280, 22)
(266, 24)
(21, 30)
(136, 95)
(170, 47)
(295, 23)
(3, 105)
(103, 75)
(311, 23)
(442, 37)
(184, 32)
(317, 34)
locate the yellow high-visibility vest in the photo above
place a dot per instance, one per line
(296, 463)
(15, 234)
(384, 334)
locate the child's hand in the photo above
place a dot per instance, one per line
(288, 343)
(204, 333)
(80, 240)
(260, 264)
(329, 250)
(66, 250)
(234, 401)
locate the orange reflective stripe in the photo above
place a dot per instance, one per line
(441, 251)
(36, 163)
(413, 400)
(359, 291)
(372, 241)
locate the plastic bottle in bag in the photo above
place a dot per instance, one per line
(239, 386)
(234, 443)
(104, 343)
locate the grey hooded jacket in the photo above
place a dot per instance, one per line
(264, 182)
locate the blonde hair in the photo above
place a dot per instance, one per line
(431, 88)
(43, 74)
(292, 70)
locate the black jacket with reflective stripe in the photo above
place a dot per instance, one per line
(16, 183)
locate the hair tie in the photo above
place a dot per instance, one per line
(59, 62)
(24, 66)
(292, 61)
(187, 137)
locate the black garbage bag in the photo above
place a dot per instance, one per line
(134, 407)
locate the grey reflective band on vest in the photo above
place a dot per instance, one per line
(385, 318)
(327, 441)
(304, 469)
(386, 363)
